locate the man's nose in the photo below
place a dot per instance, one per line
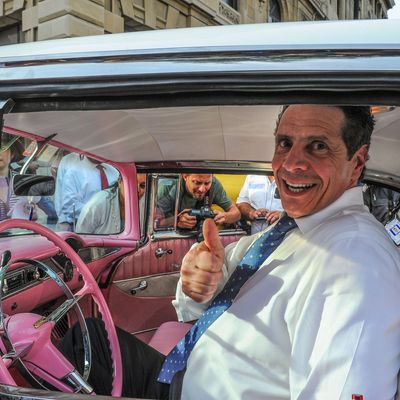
(295, 159)
(202, 188)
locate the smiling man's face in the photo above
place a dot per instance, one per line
(310, 163)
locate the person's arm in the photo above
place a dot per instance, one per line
(164, 214)
(204, 272)
(347, 335)
(68, 204)
(249, 212)
(231, 215)
(90, 217)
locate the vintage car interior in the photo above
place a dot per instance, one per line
(197, 105)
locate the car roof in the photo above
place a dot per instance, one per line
(361, 34)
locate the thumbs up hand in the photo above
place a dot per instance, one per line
(201, 270)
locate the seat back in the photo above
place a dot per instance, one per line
(168, 335)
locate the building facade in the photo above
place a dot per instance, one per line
(32, 20)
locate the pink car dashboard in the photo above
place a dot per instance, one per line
(26, 287)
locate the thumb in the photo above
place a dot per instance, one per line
(211, 236)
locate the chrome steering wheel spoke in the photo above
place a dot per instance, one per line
(14, 353)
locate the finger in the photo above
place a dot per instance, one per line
(211, 236)
(273, 216)
(207, 260)
(219, 218)
(190, 286)
(187, 224)
(198, 297)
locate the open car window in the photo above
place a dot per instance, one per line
(174, 197)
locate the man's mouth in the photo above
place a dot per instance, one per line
(299, 187)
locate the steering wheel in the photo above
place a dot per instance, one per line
(29, 335)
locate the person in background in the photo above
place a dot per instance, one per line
(259, 201)
(12, 206)
(382, 202)
(104, 213)
(197, 190)
(141, 189)
(78, 179)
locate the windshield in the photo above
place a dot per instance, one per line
(77, 179)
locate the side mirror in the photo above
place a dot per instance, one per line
(33, 185)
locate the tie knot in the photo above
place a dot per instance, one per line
(285, 223)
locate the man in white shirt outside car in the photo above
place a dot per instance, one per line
(259, 201)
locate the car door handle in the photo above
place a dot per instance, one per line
(142, 285)
(162, 252)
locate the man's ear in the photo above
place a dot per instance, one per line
(360, 157)
(185, 176)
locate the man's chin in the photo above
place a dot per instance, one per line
(295, 209)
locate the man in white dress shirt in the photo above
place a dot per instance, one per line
(78, 179)
(259, 201)
(320, 318)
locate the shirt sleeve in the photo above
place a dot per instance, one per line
(67, 198)
(244, 192)
(166, 202)
(91, 217)
(219, 195)
(346, 337)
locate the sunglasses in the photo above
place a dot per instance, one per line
(142, 185)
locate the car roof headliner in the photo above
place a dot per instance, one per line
(235, 133)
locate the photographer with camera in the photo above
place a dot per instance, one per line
(197, 191)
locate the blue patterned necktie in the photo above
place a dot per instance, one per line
(252, 260)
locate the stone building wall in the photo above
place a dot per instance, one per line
(31, 20)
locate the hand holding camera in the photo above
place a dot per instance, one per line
(189, 218)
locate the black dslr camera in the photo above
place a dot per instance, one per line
(202, 213)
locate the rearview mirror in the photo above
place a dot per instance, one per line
(33, 185)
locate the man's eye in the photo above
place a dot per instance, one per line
(284, 143)
(318, 146)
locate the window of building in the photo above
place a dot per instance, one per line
(231, 3)
(10, 35)
(274, 12)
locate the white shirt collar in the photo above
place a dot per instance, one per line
(351, 197)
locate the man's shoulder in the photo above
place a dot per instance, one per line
(216, 186)
(215, 181)
(353, 227)
(103, 197)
